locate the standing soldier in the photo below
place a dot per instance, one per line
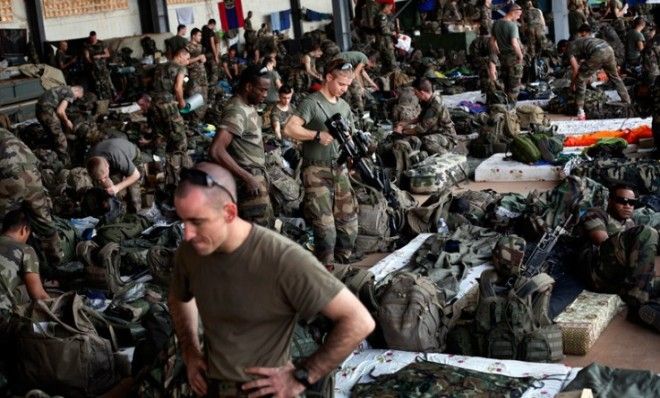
(250, 35)
(385, 34)
(635, 44)
(534, 28)
(21, 186)
(587, 55)
(239, 147)
(96, 53)
(651, 58)
(367, 22)
(63, 60)
(197, 83)
(482, 61)
(212, 53)
(505, 44)
(329, 204)
(51, 113)
(164, 116)
(485, 17)
(355, 93)
(177, 41)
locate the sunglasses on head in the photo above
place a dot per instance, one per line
(625, 201)
(344, 66)
(203, 179)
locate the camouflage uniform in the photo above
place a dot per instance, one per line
(384, 43)
(250, 36)
(596, 54)
(625, 263)
(197, 83)
(166, 121)
(16, 259)
(435, 127)
(247, 149)
(511, 70)
(329, 203)
(486, 17)
(534, 30)
(21, 185)
(367, 21)
(480, 57)
(99, 72)
(46, 114)
(655, 124)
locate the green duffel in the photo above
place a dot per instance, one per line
(523, 149)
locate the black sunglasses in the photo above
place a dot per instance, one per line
(625, 201)
(201, 178)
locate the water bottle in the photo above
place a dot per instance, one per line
(442, 227)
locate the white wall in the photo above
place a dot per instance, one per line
(20, 16)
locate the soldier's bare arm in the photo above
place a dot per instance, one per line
(295, 129)
(61, 114)
(178, 91)
(517, 47)
(185, 318)
(34, 286)
(218, 152)
(127, 182)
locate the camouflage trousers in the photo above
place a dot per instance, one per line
(601, 59)
(168, 123)
(511, 73)
(624, 264)
(174, 162)
(385, 47)
(257, 209)
(102, 81)
(439, 143)
(27, 189)
(330, 207)
(354, 96)
(53, 126)
(212, 70)
(535, 40)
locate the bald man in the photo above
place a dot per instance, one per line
(250, 285)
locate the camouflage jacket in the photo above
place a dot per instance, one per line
(15, 156)
(435, 118)
(53, 97)
(196, 70)
(165, 77)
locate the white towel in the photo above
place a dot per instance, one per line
(185, 16)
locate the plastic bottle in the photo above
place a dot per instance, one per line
(442, 227)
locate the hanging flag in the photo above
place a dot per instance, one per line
(231, 14)
(285, 19)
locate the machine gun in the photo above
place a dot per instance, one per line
(535, 264)
(355, 147)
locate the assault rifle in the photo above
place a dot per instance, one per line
(535, 264)
(355, 147)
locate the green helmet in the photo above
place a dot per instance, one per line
(508, 255)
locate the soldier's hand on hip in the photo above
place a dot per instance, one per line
(276, 382)
(196, 372)
(325, 138)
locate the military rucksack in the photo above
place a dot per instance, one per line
(550, 145)
(523, 149)
(360, 281)
(375, 219)
(425, 217)
(479, 203)
(121, 264)
(286, 192)
(61, 350)
(508, 255)
(511, 125)
(68, 238)
(642, 174)
(410, 314)
(159, 260)
(130, 226)
(531, 114)
(513, 322)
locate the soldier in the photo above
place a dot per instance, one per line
(308, 62)
(96, 53)
(588, 55)
(616, 10)
(51, 113)
(164, 116)
(385, 34)
(264, 30)
(505, 44)
(22, 186)
(534, 28)
(451, 15)
(64, 61)
(433, 125)
(329, 204)
(197, 83)
(249, 286)
(578, 14)
(113, 164)
(230, 64)
(250, 35)
(270, 65)
(651, 58)
(620, 256)
(367, 22)
(483, 61)
(174, 43)
(635, 44)
(212, 53)
(238, 146)
(19, 268)
(281, 112)
(355, 93)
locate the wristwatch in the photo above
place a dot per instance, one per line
(301, 375)
(317, 138)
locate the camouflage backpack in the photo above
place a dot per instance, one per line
(643, 174)
(523, 149)
(514, 323)
(479, 203)
(374, 220)
(508, 255)
(120, 264)
(406, 153)
(68, 238)
(550, 145)
(511, 123)
(128, 227)
(159, 260)
(360, 282)
(286, 192)
(411, 314)
(531, 114)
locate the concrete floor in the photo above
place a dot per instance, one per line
(622, 344)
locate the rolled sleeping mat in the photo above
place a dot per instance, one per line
(192, 103)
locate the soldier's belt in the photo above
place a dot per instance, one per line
(333, 163)
(224, 388)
